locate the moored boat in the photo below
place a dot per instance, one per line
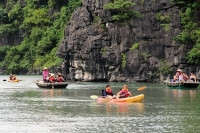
(188, 84)
(133, 99)
(59, 85)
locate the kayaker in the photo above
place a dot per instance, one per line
(11, 77)
(45, 73)
(14, 77)
(124, 92)
(107, 92)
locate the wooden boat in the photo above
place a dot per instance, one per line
(191, 84)
(60, 85)
(187, 84)
(137, 98)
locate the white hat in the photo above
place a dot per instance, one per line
(45, 68)
(179, 70)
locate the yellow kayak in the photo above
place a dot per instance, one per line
(137, 98)
(16, 80)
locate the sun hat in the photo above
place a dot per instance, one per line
(179, 70)
(45, 68)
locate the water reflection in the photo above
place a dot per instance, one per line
(52, 92)
(181, 94)
(119, 108)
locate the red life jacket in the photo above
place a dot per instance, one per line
(109, 92)
(60, 79)
(52, 79)
(124, 93)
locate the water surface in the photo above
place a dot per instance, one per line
(25, 108)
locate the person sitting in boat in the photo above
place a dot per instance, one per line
(176, 76)
(14, 77)
(11, 77)
(193, 77)
(59, 77)
(180, 77)
(47, 79)
(45, 73)
(124, 92)
(107, 92)
(52, 78)
(185, 77)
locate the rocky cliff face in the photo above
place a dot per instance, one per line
(95, 48)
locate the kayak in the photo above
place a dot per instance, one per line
(137, 98)
(16, 80)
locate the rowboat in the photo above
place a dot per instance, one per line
(187, 84)
(133, 99)
(60, 85)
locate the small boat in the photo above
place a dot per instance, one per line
(187, 84)
(133, 99)
(59, 85)
(16, 80)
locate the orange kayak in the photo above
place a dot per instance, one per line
(16, 80)
(137, 98)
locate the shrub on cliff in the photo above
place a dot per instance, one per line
(41, 24)
(121, 10)
(190, 34)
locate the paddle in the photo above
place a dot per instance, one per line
(139, 89)
(11, 80)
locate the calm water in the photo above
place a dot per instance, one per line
(25, 108)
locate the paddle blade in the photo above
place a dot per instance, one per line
(141, 88)
(94, 96)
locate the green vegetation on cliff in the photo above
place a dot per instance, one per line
(190, 34)
(121, 10)
(41, 25)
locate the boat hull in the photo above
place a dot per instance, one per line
(16, 80)
(56, 85)
(187, 84)
(133, 99)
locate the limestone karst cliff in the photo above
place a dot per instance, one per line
(97, 49)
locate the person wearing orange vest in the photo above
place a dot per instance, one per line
(124, 92)
(59, 78)
(52, 79)
(107, 92)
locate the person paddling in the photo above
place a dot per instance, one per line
(124, 92)
(107, 92)
(45, 73)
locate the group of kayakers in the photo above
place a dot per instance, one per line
(123, 93)
(12, 77)
(182, 76)
(50, 77)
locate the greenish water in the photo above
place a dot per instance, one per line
(25, 108)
